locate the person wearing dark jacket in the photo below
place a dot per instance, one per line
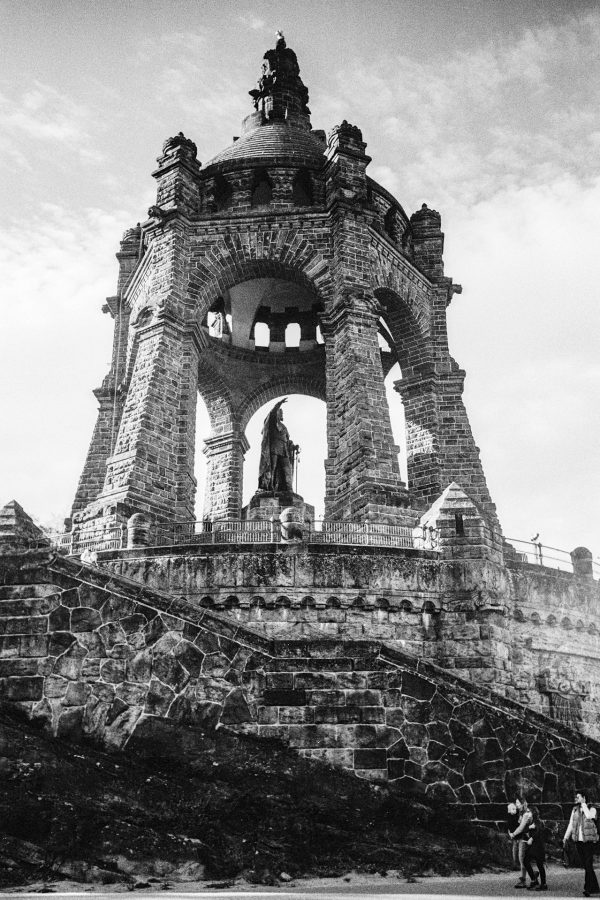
(536, 852)
(582, 829)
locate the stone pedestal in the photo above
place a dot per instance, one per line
(265, 505)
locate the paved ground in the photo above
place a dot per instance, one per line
(561, 883)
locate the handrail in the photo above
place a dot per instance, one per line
(254, 531)
(536, 553)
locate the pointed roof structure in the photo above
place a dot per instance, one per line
(18, 531)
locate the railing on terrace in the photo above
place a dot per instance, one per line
(352, 534)
(543, 555)
(238, 531)
(74, 543)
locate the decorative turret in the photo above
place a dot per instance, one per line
(280, 95)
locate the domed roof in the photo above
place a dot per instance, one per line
(279, 127)
(275, 140)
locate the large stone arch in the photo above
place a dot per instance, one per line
(218, 267)
(410, 335)
(284, 384)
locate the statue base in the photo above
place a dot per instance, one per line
(296, 516)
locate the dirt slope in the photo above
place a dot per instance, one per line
(212, 806)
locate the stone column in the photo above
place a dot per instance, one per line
(225, 462)
(439, 443)
(109, 394)
(152, 467)
(582, 561)
(362, 471)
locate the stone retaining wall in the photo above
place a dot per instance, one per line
(89, 653)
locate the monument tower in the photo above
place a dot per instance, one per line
(453, 666)
(282, 228)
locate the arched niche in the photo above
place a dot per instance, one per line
(305, 419)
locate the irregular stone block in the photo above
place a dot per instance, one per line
(60, 619)
(70, 723)
(236, 709)
(84, 618)
(417, 687)
(139, 669)
(158, 699)
(190, 657)
(77, 693)
(372, 758)
(70, 664)
(58, 642)
(121, 651)
(169, 671)
(131, 694)
(415, 735)
(55, 686)
(415, 710)
(113, 670)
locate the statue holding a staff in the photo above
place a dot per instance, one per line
(277, 454)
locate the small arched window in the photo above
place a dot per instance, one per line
(302, 193)
(262, 335)
(262, 191)
(222, 193)
(389, 223)
(292, 335)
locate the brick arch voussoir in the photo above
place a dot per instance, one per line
(408, 327)
(217, 398)
(232, 262)
(284, 384)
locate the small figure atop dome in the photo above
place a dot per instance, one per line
(281, 74)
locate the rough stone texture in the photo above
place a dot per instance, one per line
(281, 228)
(359, 704)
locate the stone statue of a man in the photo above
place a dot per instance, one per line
(277, 454)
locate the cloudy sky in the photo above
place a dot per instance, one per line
(485, 109)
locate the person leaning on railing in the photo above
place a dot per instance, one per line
(582, 829)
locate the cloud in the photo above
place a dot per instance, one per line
(46, 116)
(525, 329)
(512, 112)
(55, 346)
(253, 22)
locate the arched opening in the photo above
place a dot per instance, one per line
(279, 303)
(203, 430)
(305, 419)
(302, 189)
(390, 224)
(292, 335)
(222, 193)
(397, 418)
(262, 189)
(262, 335)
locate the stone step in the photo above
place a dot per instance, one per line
(321, 715)
(26, 591)
(321, 664)
(34, 606)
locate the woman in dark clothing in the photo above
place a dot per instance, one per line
(583, 830)
(536, 852)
